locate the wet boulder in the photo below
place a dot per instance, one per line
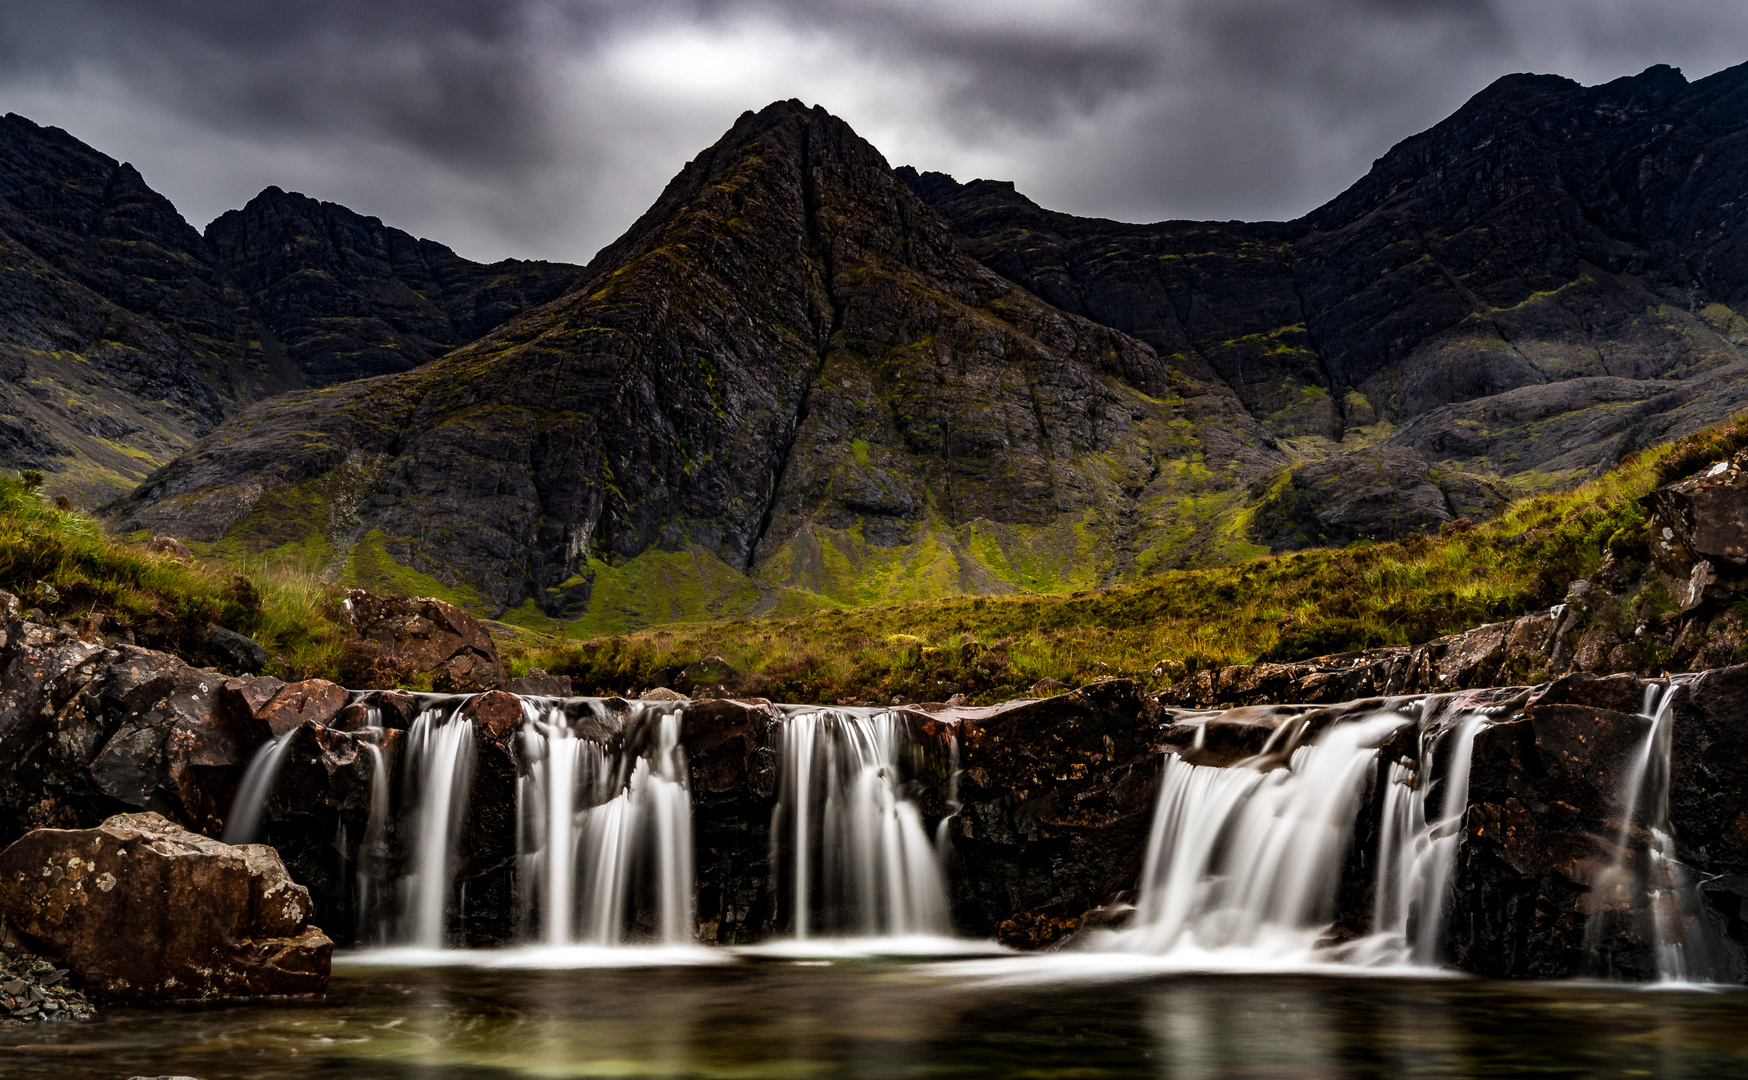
(141, 909)
(428, 635)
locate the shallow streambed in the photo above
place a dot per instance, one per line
(772, 1016)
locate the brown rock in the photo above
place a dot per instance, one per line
(1704, 517)
(538, 683)
(432, 636)
(311, 701)
(171, 547)
(494, 714)
(143, 910)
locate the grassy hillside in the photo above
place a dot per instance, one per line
(1285, 607)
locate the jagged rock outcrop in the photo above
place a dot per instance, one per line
(1534, 646)
(1698, 533)
(1543, 281)
(347, 297)
(399, 637)
(143, 910)
(786, 368)
(127, 335)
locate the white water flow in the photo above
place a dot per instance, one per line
(1242, 858)
(244, 821)
(365, 866)
(1646, 883)
(860, 861)
(1417, 855)
(439, 760)
(1244, 864)
(606, 842)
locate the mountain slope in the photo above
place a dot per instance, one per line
(125, 334)
(785, 386)
(1512, 299)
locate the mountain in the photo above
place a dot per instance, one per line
(804, 379)
(1551, 277)
(125, 334)
(784, 386)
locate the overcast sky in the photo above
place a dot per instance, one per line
(541, 128)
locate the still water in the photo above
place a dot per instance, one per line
(776, 1016)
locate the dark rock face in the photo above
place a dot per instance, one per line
(1545, 824)
(98, 899)
(1057, 799)
(731, 751)
(1542, 281)
(126, 330)
(349, 297)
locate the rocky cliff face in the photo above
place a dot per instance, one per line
(1549, 278)
(126, 334)
(785, 385)
(348, 297)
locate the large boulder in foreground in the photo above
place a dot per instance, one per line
(411, 635)
(144, 910)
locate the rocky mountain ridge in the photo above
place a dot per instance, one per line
(804, 379)
(1546, 280)
(127, 334)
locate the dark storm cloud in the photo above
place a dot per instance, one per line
(458, 80)
(541, 127)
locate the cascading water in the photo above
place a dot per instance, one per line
(856, 854)
(438, 760)
(1249, 857)
(1417, 855)
(1646, 892)
(1247, 860)
(605, 838)
(244, 821)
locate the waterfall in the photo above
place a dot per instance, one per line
(438, 761)
(244, 820)
(1249, 858)
(1645, 886)
(859, 860)
(605, 837)
(1417, 853)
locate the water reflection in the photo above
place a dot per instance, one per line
(770, 1017)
